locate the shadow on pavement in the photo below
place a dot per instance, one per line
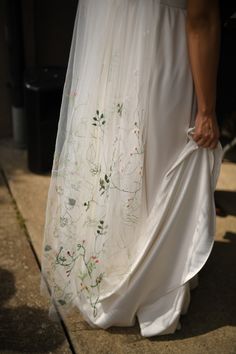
(226, 201)
(230, 155)
(24, 328)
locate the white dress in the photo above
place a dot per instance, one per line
(130, 216)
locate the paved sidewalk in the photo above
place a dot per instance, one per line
(209, 327)
(24, 324)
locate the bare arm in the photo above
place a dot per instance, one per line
(203, 36)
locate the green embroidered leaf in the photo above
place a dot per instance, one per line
(102, 115)
(72, 201)
(47, 248)
(62, 302)
(101, 184)
(95, 118)
(97, 111)
(82, 276)
(94, 124)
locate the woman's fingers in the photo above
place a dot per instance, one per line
(206, 141)
(200, 139)
(213, 145)
(206, 133)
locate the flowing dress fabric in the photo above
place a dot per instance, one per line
(130, 217)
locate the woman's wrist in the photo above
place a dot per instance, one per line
(206, 113)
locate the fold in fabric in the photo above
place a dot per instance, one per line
(130, 217)
(169, 260)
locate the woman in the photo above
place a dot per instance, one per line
(130, 217)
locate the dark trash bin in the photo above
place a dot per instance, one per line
(43, 88)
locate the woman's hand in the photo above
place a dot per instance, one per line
(206, 130)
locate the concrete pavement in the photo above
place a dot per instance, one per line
(24, 323)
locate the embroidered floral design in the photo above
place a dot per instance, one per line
(67, 259)
(104, 183)
(99, 120)
(84, 184)
(119, 108)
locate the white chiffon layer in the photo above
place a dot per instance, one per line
(130, 216)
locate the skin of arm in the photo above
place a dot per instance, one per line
(203, 39)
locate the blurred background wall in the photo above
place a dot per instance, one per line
(5, 108)
(47, 27)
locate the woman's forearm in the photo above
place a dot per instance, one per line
(203, 37)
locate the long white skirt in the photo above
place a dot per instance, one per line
(130, 216)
